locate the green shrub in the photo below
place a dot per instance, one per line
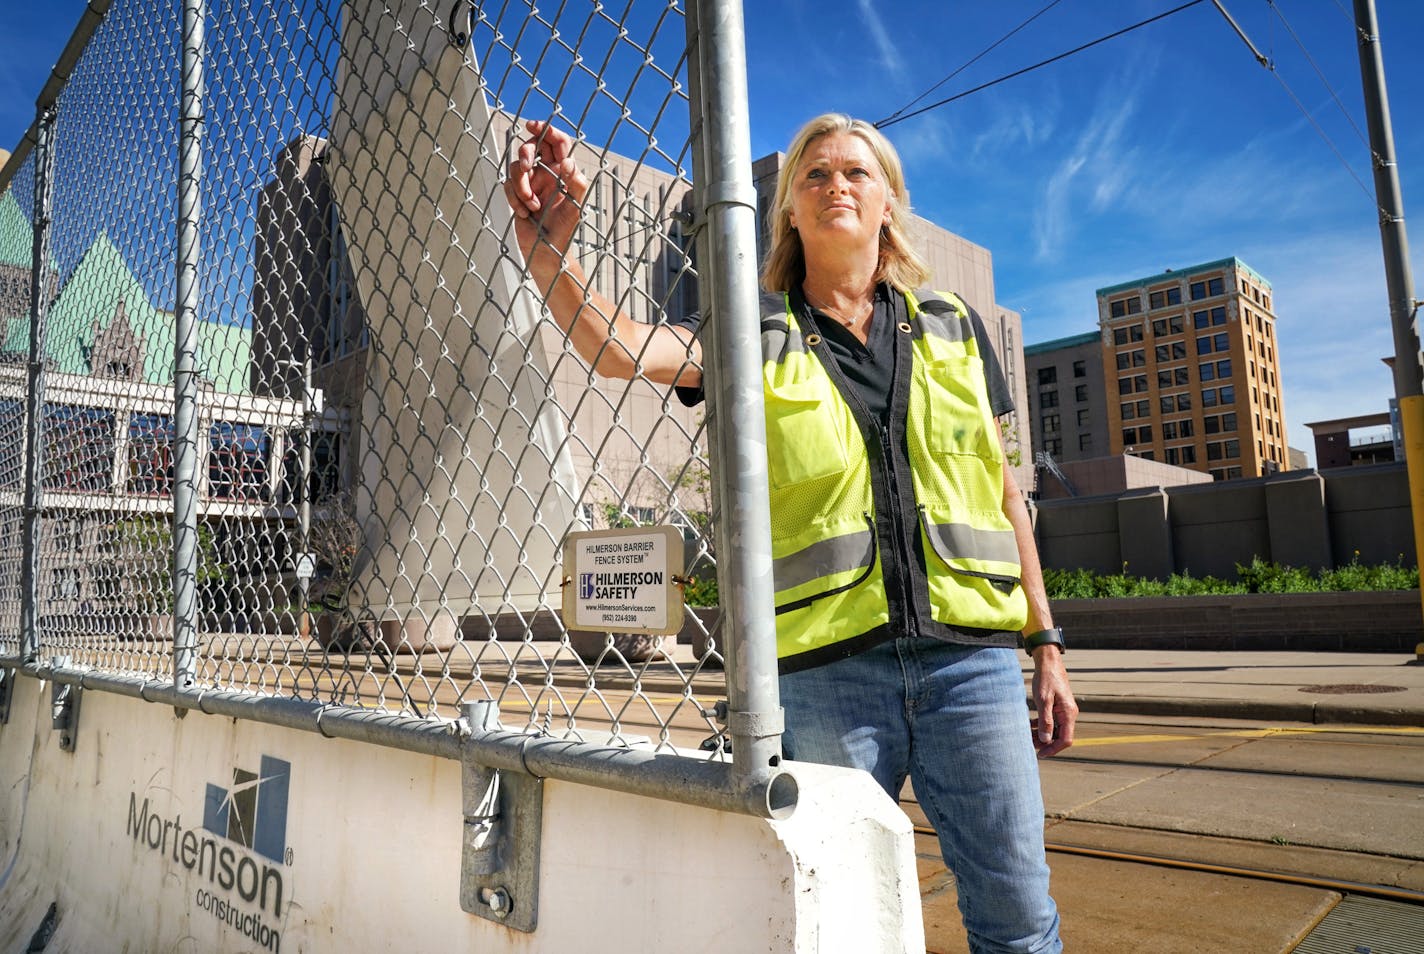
(1258, 576)
(700, 591)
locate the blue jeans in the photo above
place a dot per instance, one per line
(953, 719)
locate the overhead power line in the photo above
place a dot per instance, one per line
(1318, 72)
(974, 59)
(1270, 66)
(902, 116)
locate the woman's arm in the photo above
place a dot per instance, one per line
(1052, 696)
(545, 189)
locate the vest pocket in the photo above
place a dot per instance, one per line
(801, 439)
(959, 408)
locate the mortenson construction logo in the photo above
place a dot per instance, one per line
(240, 850)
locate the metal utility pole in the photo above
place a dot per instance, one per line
(1402, 305)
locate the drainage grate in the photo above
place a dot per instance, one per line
(1367, 926)
(1340, 689)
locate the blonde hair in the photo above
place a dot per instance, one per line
(900, 265)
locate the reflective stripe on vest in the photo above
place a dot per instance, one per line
(826, 566)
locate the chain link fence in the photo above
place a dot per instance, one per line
(392, 437)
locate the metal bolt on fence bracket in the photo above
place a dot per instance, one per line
(64, 707)
(504, 815)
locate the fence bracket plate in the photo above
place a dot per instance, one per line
(7, 689)
(64, 706)
(499, 861)
(504, 822)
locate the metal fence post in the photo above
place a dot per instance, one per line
(35, 388)
(727, 198)
(185, 386)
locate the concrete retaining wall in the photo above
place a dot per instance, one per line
(1390, 621)
(1298, 518)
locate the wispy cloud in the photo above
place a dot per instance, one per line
(1097, 166)
(889, 55)
(1015, 126)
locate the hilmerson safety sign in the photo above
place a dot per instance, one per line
(624, 581)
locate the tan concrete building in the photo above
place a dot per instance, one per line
(1191, 370)
(635, 251)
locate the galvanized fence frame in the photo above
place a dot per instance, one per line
(723, 219)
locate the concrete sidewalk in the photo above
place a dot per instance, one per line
(1360, 688)
(1325, 687)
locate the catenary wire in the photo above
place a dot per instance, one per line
(892, 120)
(976, 58)
(1318, 72)
(1269, 65)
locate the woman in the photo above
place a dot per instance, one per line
(905, 567)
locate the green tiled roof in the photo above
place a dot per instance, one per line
(89, 302)
(1058, 344)
(17, 235)
(1180, 273)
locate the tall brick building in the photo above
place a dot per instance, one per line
(1192, 372)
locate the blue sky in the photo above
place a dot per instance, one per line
(1160, 149)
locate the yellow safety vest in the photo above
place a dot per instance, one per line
(827, 535)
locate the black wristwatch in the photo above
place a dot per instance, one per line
(1044, 637)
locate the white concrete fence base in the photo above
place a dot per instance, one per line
(115, 836)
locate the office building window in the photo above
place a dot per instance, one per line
(1048, 399)
(1128, 410)
(1050, 423)
(1085, 442)
(1227, 394)
(1204, 345)
(1168, 404)
(1126, 306)
(1080, 368)
(1207, 371)
(237, 461)
(1048, 375)
(1083, 417)
(78, 448)
(1144, 433)
(1189, 454)
(1223, 368)
(1221, 341)
(150, 454)
(1124, 385)
(1054, 446)
(1080, 393)
(1184, 402)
